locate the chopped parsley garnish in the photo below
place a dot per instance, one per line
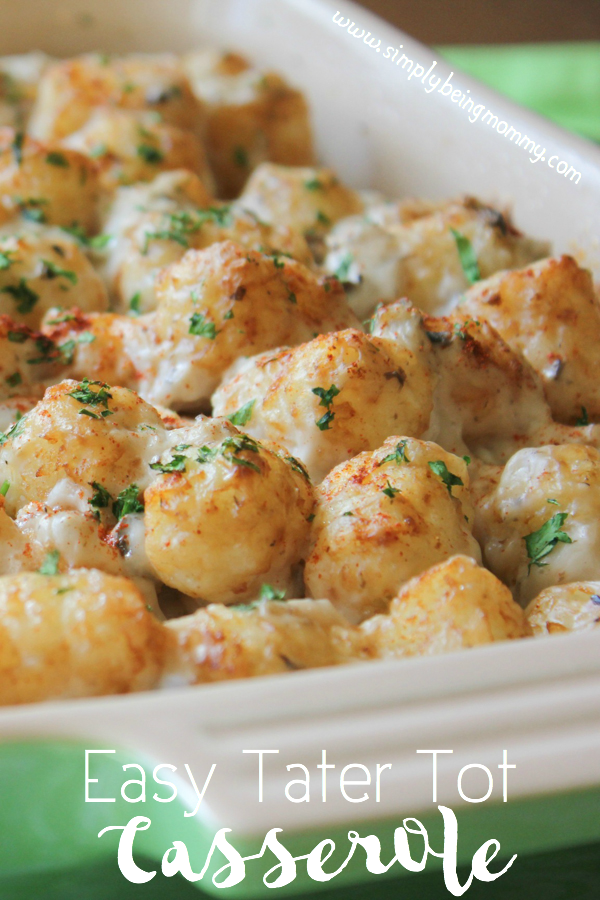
(543, 541)
(175, 464)
(47, 348)
(14, 380)
(51, 270)
(326, 397)
(297, 466)
(397, 456)
(205, 454)
(53, 158)
(95, 243)
(267, 592)
(32, 211)
(278, 263)
(313, 184)
(231, 447)
(202, 327)
(101, 499)
(390, 491)
(551, 500)
(439, 337)
(50, 564)
(98, 151)
(23, 296)
(150, 154)
(17, 337)
(343, 270)
(5, 488)
(5, 259)
(134, 304)
(322, 219)
(466, 254)
(67, 350)
(17, 147)
(88, 397)
(324, 423)
(128, 502)
(584, 419)
(439, 468)
(467, 460)
(240, 157)
(243, 415)
(180, 225)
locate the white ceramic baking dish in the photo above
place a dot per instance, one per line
(540, 700)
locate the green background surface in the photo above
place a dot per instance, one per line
(560, 81)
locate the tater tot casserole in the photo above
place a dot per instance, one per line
(253, 420)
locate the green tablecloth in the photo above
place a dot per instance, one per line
(561, 81)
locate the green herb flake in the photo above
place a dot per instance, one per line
(267, 592)
(326, 397)
(150, 154)
(439, 468)
(322, 219)
(53, 158)
(50, 564)
(543, 541)
(175, 464)
(324, 423)
(17, 337)
(297, 466)
(128, 502)
(5, 488)
(243, 415)
(398, 455)
(584, 419)
(101, 499)
(202, 327)
(14, 380)
(85, 395)
(51, 270)
(206, 454)
(240, 157)
(23, 296)
(17, 147)
(135, 303)
(468, 259)
(343, 270)
(390, 491)
(313, 184)
(5, 259)
(233, 446)
(551, 500)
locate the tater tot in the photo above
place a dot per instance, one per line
(218, 643)
(565, 608)
(68, 436)
(71, 89)
(132, 146)
(453, 605)
(79, 634)
(424, 262)
(538, 526)
(384, 517)
(550, 314)
(305, 199)
(329, 399)
(218, 304)
(46, 270)
(252, 117)
(158, 238)
(46, 184)
(226, 516)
